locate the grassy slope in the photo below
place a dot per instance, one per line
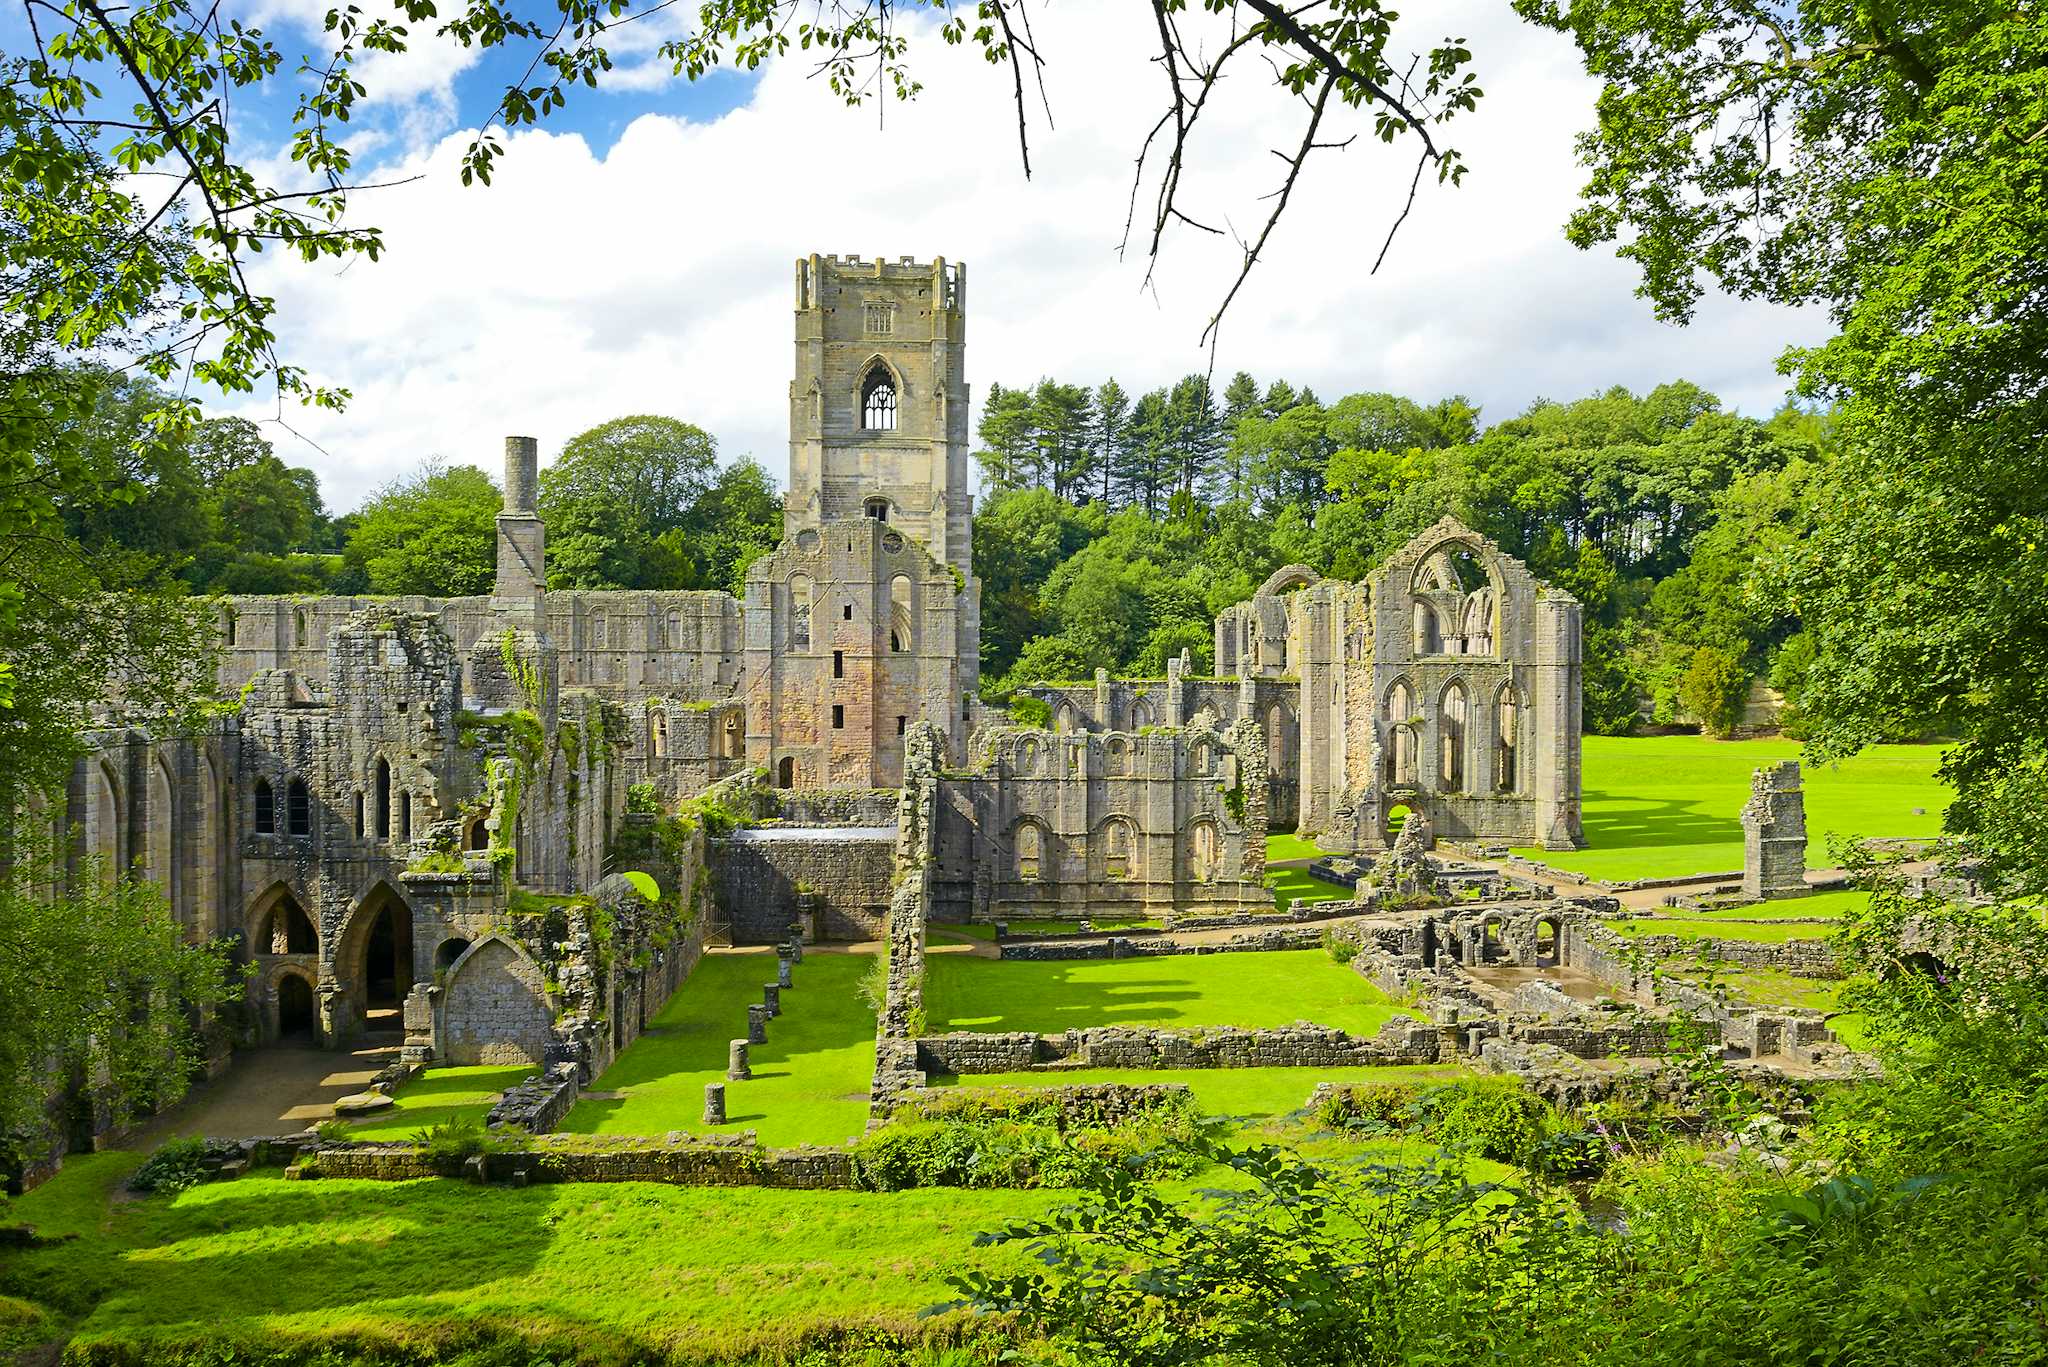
(1663, 806)
(1249, 1093)
(1258, 989)
(609, 1268)
(1832, 905)
(810, 1083)
(1287, 845)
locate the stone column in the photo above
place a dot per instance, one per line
(785, 977)
(771, 999)
(757, 1025)
(522, 540)
(736, 1069)
(714, 1103)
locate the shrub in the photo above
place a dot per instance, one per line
(176, 1165)
(334, 1130)
(643, 799)
(1376, 1106)
(1496, 1118)
(449, 1145)
(1343, 948)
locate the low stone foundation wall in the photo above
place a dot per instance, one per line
(1403, 1040)
(1089, 1104)
(538, 1104)
(1126, 947)
(678, 1161)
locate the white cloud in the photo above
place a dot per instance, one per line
(657, 277)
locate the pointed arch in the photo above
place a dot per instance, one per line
(495, 1007)
(1121, 855)
(277, 922)
(879, 395)
(1029, 843)
(1453, 718)
(1508, 726)
(902, 618)
(372, 958)
(159, 864)
(1204, 845)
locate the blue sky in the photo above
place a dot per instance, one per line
(634, 255)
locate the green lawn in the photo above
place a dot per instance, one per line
(439, 1096)
(1252, 1093)
(596, 1272)
(810, 1083)
(1831, 905)
(1294, 885)
(1761, 932)
(1259, 989)
(1288, 845)
(1664, 806)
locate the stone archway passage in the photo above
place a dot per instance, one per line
(375, 961)
(295, 1013)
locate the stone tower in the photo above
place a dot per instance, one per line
(866, 620)
(878, 403)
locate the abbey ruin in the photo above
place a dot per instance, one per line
(418, 817)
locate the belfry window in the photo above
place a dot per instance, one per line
(877, 508)
(878, 318)
(878, 401)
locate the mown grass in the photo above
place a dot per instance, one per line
(1759, 932)
(1250, 1093)
(1259, 989)
(581, 1272)
(810, 1083)
(1832, 905)
(440, 1096)
(1295, 885)
(1664, 806)
(1287, 845)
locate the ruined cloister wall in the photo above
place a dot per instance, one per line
(1080, 824)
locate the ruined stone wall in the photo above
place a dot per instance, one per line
(766, 879)
(1081, 824)
(1401, 1041)
(1478, 658)
(629, 645)
(854, 633)
(497, 1007)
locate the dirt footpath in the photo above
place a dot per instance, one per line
(278, 1090)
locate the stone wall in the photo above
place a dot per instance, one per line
(496, 1009)
(1402, 1040)
(766, 877)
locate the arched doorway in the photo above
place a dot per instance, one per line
(295, 1014)
(785, 773)
(1547, 955)
(377, 959)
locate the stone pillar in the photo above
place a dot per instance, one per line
(796, 943)
(757, 1025)
(714, 1103)
(1774, 834)
(785, 976)
(736, 1068)
(522, 540)
(771, 999)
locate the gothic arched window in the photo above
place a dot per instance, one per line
(878, 401)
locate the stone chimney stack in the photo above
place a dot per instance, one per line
(522, 472)
(522, 540)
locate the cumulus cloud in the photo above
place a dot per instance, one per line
(654, 275)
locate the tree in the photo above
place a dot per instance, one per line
(735, 523)
(1112, 433)
(432, 532)
(1009, 448)
(1885, 163)
(612, 496)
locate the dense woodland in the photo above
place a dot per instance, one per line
(1110, 532)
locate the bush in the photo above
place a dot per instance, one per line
(1495, 1118)
(1379, 1107)
(449, 1145)
(1341, 947)
(334, 1130)
(643, 799)
(176, 1165)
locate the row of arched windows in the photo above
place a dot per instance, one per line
(1454, 720)
(1031, 845)
(298, 808)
